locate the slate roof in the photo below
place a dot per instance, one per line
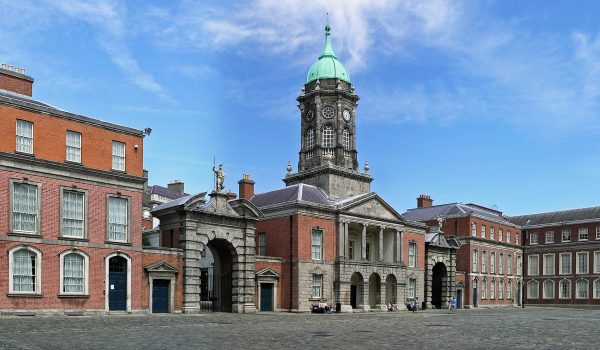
(24, 101)
(174, 203)
(452, 209)
(441, 240)
(165, 192)
(556, 217)
(292, 194)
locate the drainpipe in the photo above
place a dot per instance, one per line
(291, 267)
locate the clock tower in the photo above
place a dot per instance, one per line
(328, 156)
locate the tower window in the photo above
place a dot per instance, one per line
(310, 139)
(346, 139)
(328, 137)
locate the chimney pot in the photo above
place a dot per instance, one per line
(424, 201)
(3, 65)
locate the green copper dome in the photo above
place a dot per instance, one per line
(327, 65)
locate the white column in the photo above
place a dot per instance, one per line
(363, 243)
(340, 239)
(380, 257)
(346, 243)
(400, 236)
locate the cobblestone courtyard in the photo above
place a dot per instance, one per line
(534, 328)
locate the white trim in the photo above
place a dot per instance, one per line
(553, 265)
(86, 266)
(38, 206)
(531, 282)
(544, 296)
(596, 261)
(546, 241)
(560, 270)
(595, 288)
(64, 189)
(587, 289)
(560, 288)
(587, 265)
(106, 280)
(38, 269)
(529, 272)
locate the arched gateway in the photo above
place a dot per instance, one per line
(439, 285)
(217, 238)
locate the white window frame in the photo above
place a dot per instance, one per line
(547, 236)
(262, 244)
(484, 261)
(530, 288)
(509, 289)
(128, 216)
(73, 149)
(412, 254)
(351, 245)
(568, 290)
(533, 238)
(500, 235)
(19, 145)
(316, 243)
(546, 295)
(598, 232)
(368, 253)
(596, 289)
(38, 270)
(561, 271)
(597, 261)
(310, 139)
(501, 289)
(567, 234)
(38, 209)
(516, 237)
(545, 269)
(317, 286)
(583, 231)
(483, 231)
(115, 157)
(346, 139)
(492, 232)
(484, 289)
(328, 137)
(530, 271)
(493, 289)
(519, 265)
(412, 288)
(493, 262)
(473, 229)
(475, 258)
(509, 264)
(86, 267)
(508, 236)
(85, 212)
(587, 289)
(587, 263)
(501, 264)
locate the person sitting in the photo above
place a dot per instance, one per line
(390, 306)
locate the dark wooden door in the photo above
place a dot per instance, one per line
(353, 289)
(266, 297)
(160, 296)
(117, 284)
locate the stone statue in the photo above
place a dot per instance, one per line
(440, 221)
(219, 178)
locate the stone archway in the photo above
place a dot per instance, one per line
(439, 285)
(391, 285)
(374, 290)
(220, 281)
(356, 290)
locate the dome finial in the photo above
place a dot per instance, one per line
(327, 27)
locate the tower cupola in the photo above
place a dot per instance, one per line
(327, 65)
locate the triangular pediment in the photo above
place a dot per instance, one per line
(372, 206)
(161, 267)
(266, 272)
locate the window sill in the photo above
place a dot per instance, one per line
(24, 234)
(72, 162)
(62, 238)
(74, 296)
(118, 243)
(118, 171)
(19, 295)
(25, 154)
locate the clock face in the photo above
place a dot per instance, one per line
(309, 115)
(328, 112)
(346, 115)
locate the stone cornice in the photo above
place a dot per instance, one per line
(327, 169)
(325, 92)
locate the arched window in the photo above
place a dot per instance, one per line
(548, 292)
(532, 289)
(493, 289)
(328, 136)
(310, 139)
(74, 272)
(484, 289)
(582, 287)
(501, 290)
(24, 270)
(509, 289)
(564, 290)
(597, 289)
(346, 139)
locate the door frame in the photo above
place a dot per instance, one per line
(107, 279)
(267, 275)
(162, 271)
(272, 296)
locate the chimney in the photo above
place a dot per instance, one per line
(246, 187)
(177, 186)
(424, 201)
(14, 79)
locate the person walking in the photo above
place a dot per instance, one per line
(415, 304)
(452, 304)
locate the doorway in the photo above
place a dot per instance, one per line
(438, 285)
(117, 283)
(160, 296)
(459, 298)
(220, 294)
(266, 297)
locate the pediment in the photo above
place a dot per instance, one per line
(161, 267)
(371, 206)
(267, 273)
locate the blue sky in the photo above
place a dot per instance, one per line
(492, 102)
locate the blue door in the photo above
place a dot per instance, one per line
(160, 296)
(117, 284)
(266, 297)
(458, 298)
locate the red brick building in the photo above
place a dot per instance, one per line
(71, 205)
(561, 256)
(489, 260)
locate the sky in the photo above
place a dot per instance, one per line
(488, 102)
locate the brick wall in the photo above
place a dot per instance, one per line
(49, 140)
(15, 84)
